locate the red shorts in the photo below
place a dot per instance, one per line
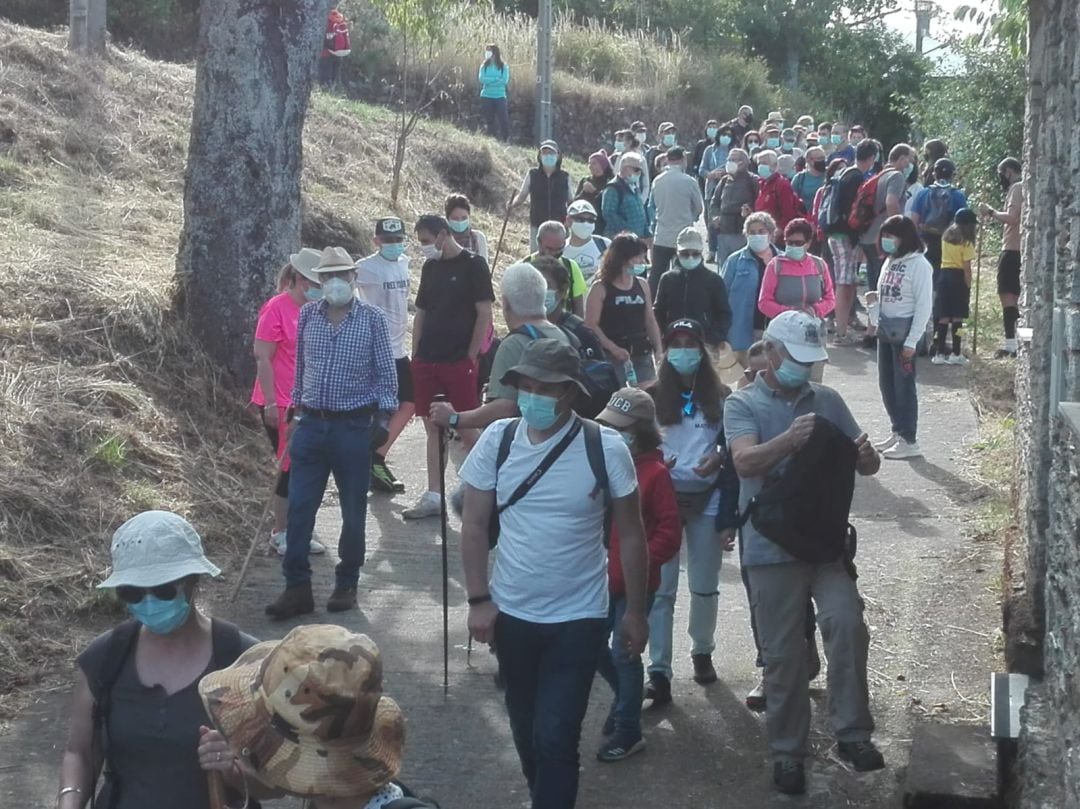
(457, 380)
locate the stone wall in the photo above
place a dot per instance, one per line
(1048, 775)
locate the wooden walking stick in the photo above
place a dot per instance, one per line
(217, 789)
(502, 233)
(978, 268)
(261, 524)
(445, 559)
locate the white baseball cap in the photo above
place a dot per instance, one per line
(580, 206)
(156, 547)
(802, 334)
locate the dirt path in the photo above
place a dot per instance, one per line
(931, 595)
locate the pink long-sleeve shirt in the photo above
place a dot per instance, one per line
(789, 284)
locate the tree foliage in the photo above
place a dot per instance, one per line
(1002, 22)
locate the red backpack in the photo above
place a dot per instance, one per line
(864, 209)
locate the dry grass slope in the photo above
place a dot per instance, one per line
(108, 407)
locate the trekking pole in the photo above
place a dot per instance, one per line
(978, 268)
(217, 789)
(502, 233)
(445, 564)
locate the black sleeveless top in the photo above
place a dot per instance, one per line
(622, 317)
(548, 196)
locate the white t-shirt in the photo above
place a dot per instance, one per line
(385, 284)
(550, 564)
(688, 442)
(586, 255)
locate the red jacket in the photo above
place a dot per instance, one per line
(778, 199)
(660, 513)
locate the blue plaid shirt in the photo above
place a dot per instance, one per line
(344, 367)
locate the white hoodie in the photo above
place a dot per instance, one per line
(906, 289)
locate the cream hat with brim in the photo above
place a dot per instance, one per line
(334, 259)
(727, 365)
(156, 547)
(305, 263)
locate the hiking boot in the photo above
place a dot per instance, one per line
(658, 690)
(620, 746)
(704, 673)
(382, 479)
(902, 451)
(885, 443)
(296, 600)
(278, 543)
(813, 661)
(863, 756)
(342, 599)
(789, 777)
(429, 505)
(755, 700)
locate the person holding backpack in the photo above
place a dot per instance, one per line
(633, 413)
(621, 203)
(546, 603)
(933, 211)
(149, 666)
(689, 406)
(767, 423)
(953, 289)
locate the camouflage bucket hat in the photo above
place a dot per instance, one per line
(307, 713)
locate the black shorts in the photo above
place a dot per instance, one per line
(404, 380)
(1008, 275)
(953, 296)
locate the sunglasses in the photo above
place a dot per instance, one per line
(690, 254)
(590, 219)
(133, 595)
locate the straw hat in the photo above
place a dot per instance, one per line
(307, 713)
(305, 263)
(334, 259)
(727, 365)
(156, 547)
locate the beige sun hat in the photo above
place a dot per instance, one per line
(156, 547)
(305, 262)
(334, 259)
(307, 713)
(727, 365)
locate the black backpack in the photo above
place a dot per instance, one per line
(597, 374)
(803, 505)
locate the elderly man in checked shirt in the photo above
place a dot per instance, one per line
(346, 391)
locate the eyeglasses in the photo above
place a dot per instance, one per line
(689, 254)
(133, 595)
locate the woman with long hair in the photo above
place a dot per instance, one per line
(494, 77)
(619, 311)
(690, 410)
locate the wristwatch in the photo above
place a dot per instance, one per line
(454, 419)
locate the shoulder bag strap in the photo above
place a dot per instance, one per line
(545, 464)
(226, 642)
(121, 642)
(594, 450)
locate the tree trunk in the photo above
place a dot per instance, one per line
(86, 26)
(255, 62)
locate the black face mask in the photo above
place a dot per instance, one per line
(1004, 180)
(820, 165)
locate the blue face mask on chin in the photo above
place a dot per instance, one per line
(537, 409)
(161, 617)
(792, 374)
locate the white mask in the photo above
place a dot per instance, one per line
(337, 291)
(487, 55)
(430, 251)
(731, 167)
(583, 230)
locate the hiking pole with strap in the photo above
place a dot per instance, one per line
(217, 790)
(445, 564)
(502, 234)
(975, 319)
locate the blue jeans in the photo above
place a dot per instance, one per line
(319, 447)
(497, 117)
(548, 670)
(896, 378)
(624, 672)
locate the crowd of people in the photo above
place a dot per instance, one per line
(659, 384)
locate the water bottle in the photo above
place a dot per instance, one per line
(630, 373)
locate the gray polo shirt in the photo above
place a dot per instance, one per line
(760, 411)
(891, 182)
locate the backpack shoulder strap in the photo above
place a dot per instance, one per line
(505, 441)
(226, 641)
(594, 450)
(600, 243)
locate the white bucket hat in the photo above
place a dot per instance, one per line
(305, 263)
(156, 547)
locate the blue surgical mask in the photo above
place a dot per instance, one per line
(549, 160)
(758, 242)
(669, 140)
(753, 146)
(725, 140)
(551, 301)
(889, 245)
(640, 269)
(764, 171)
(537, 410)
(772, 143)
(910, 167)
(313, 294)
(684, 360)
(835, 139)
(795, 252)
(392, 251)
(458, 225)
(690, 263)
(792, 374)
(619, 147)
(710, 132)
(161, 617)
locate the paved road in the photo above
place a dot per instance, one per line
(931, 595)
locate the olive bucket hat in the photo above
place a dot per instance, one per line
(547, 360)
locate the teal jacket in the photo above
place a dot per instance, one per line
(493, 81)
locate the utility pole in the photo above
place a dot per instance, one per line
(924, 10)
(544, 67)
(86, 26)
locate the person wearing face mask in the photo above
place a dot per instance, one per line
(551, 238)
(621, 205)
(740, 125)
(712, 129)
(633, 413)
(775, 196)
(691, 290)
(494, 77)
(383, 280)
(453, 317)
(547, 187)
(558, 287)
(275, 369)
(785, 166)
(742, 276)
(731, 201)
(765, 424)
(824, 131)
(149, 665)
(711, 170)
(458, 211)
(545, 605)
(678, 205)
(771, 138)
(667, 137)
(584, 246)
(689, 406)
(619, 311)
(905, 299)
(1011, 176)
(788, 145)
(842, 148)
(809, 180)
(345, 394)
(752, 143)
(591, 187)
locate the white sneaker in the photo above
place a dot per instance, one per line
(277, 542)
(885, 443)
(429, 505)
(940, 359)
(958, 359)
(902, 451)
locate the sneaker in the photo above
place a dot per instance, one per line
(755, 700)
(885, 443)
(939, 359)
(863, 756)
(429, 505)
(609, 724)
(296, 600)
(342, 599)
(958, 359)
(382, 479)
(902, 450)
(813, 660)
(277, 542)
(789, 777)
(619, 747)
(658, 690)
(704, 673)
